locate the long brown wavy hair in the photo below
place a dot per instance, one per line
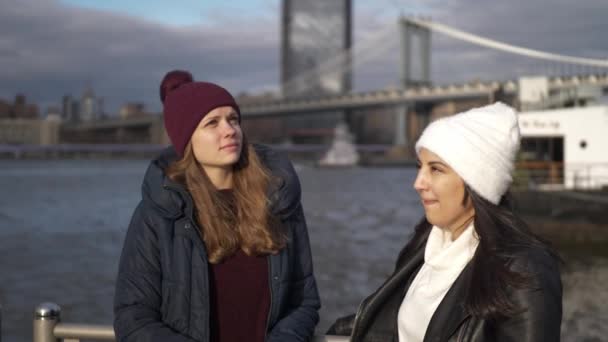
(247, 223)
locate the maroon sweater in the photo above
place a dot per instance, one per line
(240, 297)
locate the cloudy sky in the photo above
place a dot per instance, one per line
(122, 49)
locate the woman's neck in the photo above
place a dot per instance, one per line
(460, 227)
(220, 177)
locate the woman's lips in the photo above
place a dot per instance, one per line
(230, 147)
(426, 202)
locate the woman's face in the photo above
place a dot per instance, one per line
(217, 140)
(441, 191)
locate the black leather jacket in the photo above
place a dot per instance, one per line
(539, 320)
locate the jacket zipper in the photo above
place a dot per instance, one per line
(194, 230)
(270, 307)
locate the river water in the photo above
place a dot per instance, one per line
(62, 224)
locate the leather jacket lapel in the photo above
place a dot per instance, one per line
(372, 305)
(451, 311)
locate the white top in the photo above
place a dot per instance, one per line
(444, 260)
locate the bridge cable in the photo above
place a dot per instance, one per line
(493, 44)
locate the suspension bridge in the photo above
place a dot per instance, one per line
(402, 110)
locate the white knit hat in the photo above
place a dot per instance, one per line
(479, 144)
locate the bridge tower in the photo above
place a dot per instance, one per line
(415, 70)
(415, 53)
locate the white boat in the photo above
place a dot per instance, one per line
(568, 147)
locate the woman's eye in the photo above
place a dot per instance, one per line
(434, 169)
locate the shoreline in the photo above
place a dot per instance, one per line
(577, 239)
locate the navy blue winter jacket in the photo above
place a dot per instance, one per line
(162, 288)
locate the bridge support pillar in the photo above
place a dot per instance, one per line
(400, 150)
(120, 135)
(415, 52)
(157, 133)
(401, 126)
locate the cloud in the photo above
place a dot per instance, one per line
(48, 49)
(557, 26)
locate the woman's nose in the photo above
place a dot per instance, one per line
(228, 128)
(420, 183)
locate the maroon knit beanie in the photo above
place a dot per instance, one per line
(186, 103)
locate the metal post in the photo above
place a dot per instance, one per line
(46, 316)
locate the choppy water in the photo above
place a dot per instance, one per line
(62, 224)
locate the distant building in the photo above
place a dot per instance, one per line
(32, 111)
(5, 109)
(316, 38)
(19, 106)
(53, 112)
(130, 110)
(314, 34)
(68, 114)
(75, 111)
(88, 106)
(30, 131)
(20, 109)
(101, 114)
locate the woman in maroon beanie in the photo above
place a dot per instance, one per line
(217, 249)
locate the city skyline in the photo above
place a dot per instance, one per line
(52, 48)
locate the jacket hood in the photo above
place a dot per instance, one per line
(172, 200)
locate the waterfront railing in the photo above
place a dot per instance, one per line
(548, 175)
(49, 328)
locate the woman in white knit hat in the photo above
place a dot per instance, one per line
(473, 271)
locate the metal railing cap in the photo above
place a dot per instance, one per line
(47, 310)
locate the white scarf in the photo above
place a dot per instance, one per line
(444, 260)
